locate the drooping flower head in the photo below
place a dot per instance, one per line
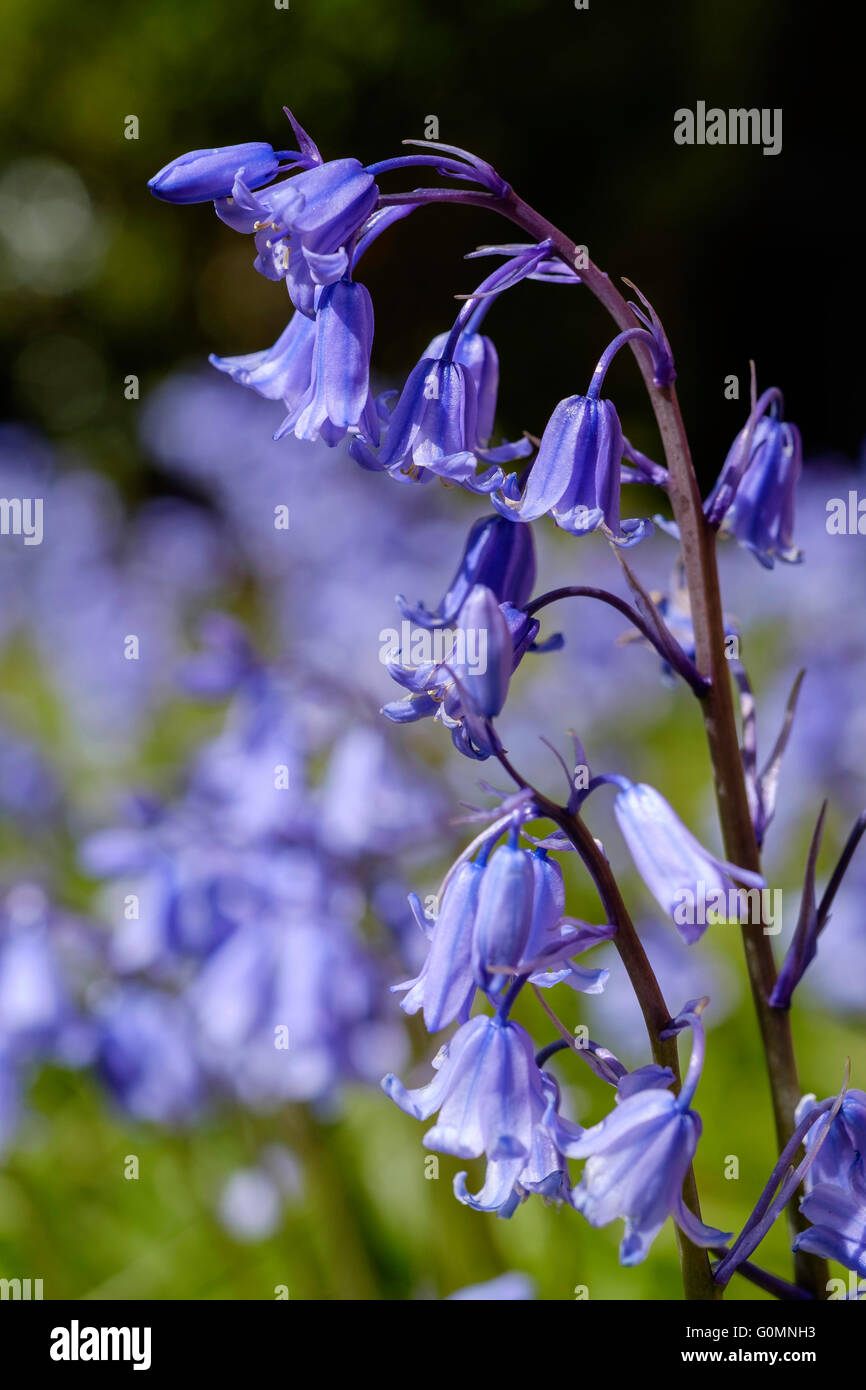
(319, 367)
(338, 395)
(434, 428)
(443, 419)
(576, 476)
(445, 987)
(753, 499)
(841, 1158)
(279, 373)
(492, 1099)
(503, 917)
(466, 688)
(639, 1155)
(304, 226)
(476, 353)
(497, 554)
(545, 1171)
(838, 1230)
(685, 879)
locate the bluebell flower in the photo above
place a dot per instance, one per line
(434, 430)
(841, 1159)
(545, 1170)
(444, 417)
(279, 373)
(638, 1158)
(460, 691)
(576, 475)
(304, 225)
(553, 937)
(491, 1096)
(35, 1002)
(338, 393)
(485, 653)
(685, 879)
(291, 1005)
(371, 801)
(337, 198)
(445, 987)
(485, 1080)
(147, 1055)
(482, 924)
(497, 554)
(476, 352)
(503, 918)
(838, 1230)
(762, 490)
(203, 176)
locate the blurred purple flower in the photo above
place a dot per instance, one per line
(511, 1287)
(147, 1057)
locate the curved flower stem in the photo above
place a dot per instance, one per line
(698, 1282)
(673, 654)
(717, 704)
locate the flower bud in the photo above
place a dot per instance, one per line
(201, 176)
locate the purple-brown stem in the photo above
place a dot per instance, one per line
(717, 704)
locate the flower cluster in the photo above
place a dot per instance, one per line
(224, 962)
(835, 1200)
(238, 969)
(248, 891)
(499, 922)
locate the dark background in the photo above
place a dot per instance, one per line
(743, 255)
